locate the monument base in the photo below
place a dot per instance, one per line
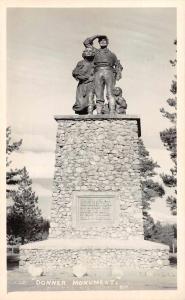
(60, 254)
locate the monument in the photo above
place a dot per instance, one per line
(96, 213)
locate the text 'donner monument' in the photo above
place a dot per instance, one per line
(95, 208)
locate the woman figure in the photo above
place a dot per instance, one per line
(84, 73)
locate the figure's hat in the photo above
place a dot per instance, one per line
(102, 37)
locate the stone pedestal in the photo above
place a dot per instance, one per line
(96, 214)
(97, 166)
(60, 254)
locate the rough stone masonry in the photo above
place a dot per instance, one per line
(97, 155)
(96, 213)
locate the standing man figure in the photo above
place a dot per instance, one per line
(107, 70)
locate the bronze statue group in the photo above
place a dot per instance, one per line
(98, 70)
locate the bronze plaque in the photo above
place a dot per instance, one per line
(95, 208)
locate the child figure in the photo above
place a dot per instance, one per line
(121, 104)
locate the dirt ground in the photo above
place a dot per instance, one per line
(66, 281)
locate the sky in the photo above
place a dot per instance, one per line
(44, 46)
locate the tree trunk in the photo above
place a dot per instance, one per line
(22, 240)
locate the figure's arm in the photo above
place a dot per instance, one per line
(79, 76)
(78, 73)
(118, 69)
(89, 41)
(77, 69)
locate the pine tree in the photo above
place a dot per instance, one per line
(169, 139)
(24, 218)
(164, 234)
(150, 188)
(12, 175)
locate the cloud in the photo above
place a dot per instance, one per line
(41, 191)
(162, 156)
(164, 218)
(161, 212)
(45, 206)
(38, 164)
(35, 142)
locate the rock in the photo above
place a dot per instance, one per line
(79, 170)
(159, 262)
(117, 272)
(34, 270)
(79, 270)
